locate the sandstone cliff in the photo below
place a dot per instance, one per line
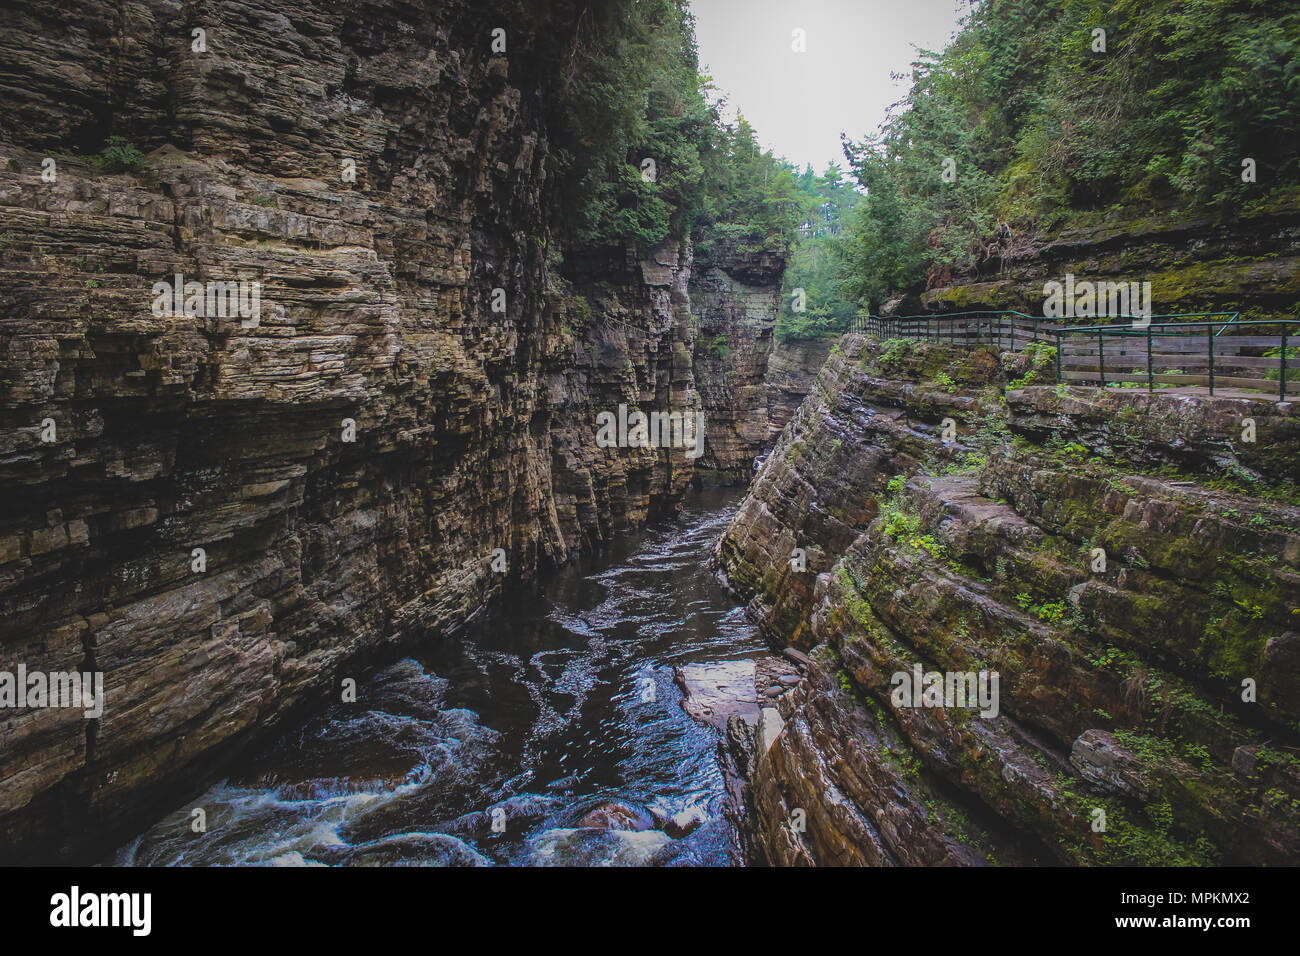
(1249, 262)
(349, 465)
(735, 297)
(792, 368)
(1157, 695)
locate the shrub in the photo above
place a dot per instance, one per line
(117, 156)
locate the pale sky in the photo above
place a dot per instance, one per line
(800, 102)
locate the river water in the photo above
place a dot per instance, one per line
(494, 745)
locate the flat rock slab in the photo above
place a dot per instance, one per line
(713, 692)
(772, 727)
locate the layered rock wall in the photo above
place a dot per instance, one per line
(792, 368)
(735, 297)
(224, 517)
(1248, 262)
(1147, 707)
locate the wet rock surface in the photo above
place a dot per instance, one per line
(716, 692)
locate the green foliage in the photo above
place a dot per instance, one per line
(893, 351)
(634, 93)
(630, 99)
(1042, 127)
(718, 346)
(826, 202)
(898, 523)
(117, 156)
(1052, 613)
(1292, 363)
(751, 203)
(1041, 367)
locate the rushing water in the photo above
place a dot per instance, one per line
(493, 745)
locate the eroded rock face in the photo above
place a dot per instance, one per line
(226, 518)
(791, 370)
(1120, 684)
(1193, 264)
(713, 693)
(735, 298)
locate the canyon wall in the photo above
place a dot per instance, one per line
(792, 368)
(224, 517)
(1147, 707)
(1249, 261)
(735, 297)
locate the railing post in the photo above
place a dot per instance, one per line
(1209, 337)
(1151, 378)
(1035, 330)
(1282, 395)
(1058, 356)
(1013, 335)
(1101, 356)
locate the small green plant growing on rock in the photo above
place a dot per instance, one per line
(927, 543)
(1051, 613)
(117, 156)
(898, 523)
(1106, 658)
(895, 350)
(1042, 356)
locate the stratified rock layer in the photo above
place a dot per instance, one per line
(1126, 564)
(735, 297)
(791, 370)
(1248, 260)
(223, 517)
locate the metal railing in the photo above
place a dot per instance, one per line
(1004, 328)
(1175, 354)
(1194, 350)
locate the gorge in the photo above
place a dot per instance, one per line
(201, 529)
(365, 586)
